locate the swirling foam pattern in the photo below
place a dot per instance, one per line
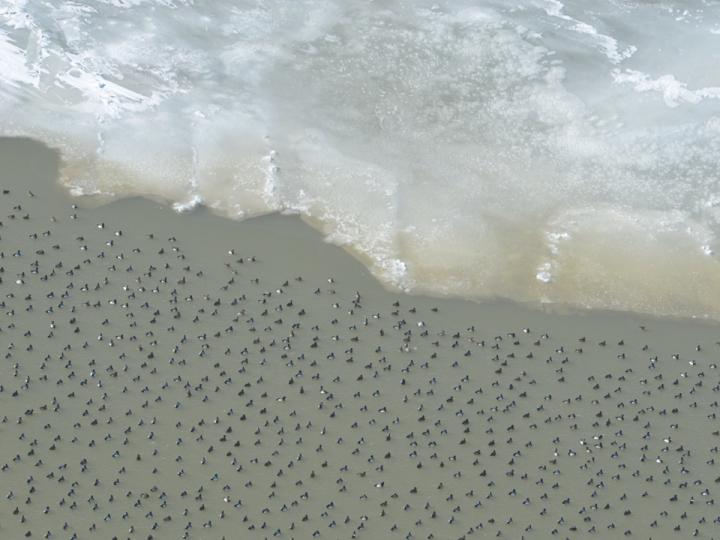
(532, 150)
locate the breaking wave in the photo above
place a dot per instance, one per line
(532, 150)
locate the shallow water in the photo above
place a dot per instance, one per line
(538, 151)
(273, 407)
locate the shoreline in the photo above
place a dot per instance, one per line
(549, 307)
(587, 280)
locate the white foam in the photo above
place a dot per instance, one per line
(272, 177)
(674, 92)
(607, 44)
(188, 205)
(544, 274)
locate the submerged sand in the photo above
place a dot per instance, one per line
(187, 376)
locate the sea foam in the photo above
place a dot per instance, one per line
(538, 151)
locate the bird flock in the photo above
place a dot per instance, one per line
(149, 393)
